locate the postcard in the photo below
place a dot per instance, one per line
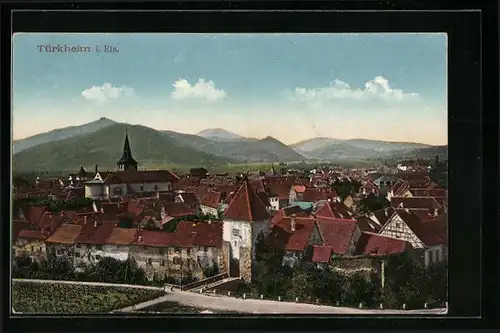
(229, 173)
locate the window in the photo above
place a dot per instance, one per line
(236, 232)
(177, 261)
(117, 191)
(188, 251)
(162, 263)
(177, 251)
(98, 247)
(156, 187)
(78, 246)
(161, 250)
(205, 249)
(70, 253)
(141, 188)
(97, 257)
(77, 254)
(149, 261)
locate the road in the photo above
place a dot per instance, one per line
(223, 303)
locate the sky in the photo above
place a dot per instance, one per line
(292, 87)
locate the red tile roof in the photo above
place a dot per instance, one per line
(367, 224)
(18, 226)
(131, 177)
(95, 232)
(31, 234)
(313, 195)
(212, 199)
(321, 254)
(334, 209)
(430, 232)
(436, 192)
(246, 206)
(65, 234)
(122, 236)
(187, 234)
(288, 211)
(190, 198)
(281, 191)
(336, 233)
(415, 202)
(378, 245)
(34, 213)
(282, 236)
(178, 209)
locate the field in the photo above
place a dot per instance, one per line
(52, 298)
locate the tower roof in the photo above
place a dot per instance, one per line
(127, 158)
(246, 205)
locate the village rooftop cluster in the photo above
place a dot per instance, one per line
(154, 218)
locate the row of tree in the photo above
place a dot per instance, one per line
(406, 282)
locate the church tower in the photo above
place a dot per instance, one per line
(127, 162)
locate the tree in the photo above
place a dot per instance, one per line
(373, 203)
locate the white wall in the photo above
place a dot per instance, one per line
(93, 191)
(162, 186)
(209, 210)
(274, 203)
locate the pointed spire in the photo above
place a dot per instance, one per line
(127, 162)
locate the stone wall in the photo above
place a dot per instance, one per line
(224, 265)
(175, 262)
(246, 264)
(352, 265)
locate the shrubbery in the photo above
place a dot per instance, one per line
(406, 282)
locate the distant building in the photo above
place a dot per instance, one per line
(106, 185)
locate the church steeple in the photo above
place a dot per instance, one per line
(127, 162)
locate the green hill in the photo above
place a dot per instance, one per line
(104, 147)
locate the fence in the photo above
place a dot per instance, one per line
(206, 281)
(316, 301)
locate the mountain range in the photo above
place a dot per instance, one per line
(101, 142)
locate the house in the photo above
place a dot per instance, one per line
(428, 203)
(211, 203)
(90, 242)
(400, 189)
(368, 188)
(296, 193)
(189, 199)
(430, 235)
(333, 209)
(185, 253)
(294, 235)
(373, 244)
(28, 241)
(244, 219)
(128, 179)
(279, 195)
(61, 244)
(385, 181)
(349, 202)
(342, 235)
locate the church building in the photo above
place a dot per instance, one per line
(128, 179)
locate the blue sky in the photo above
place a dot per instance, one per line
(290, 86)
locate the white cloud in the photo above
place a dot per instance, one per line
(106, 92)
(378, 88)
(201, 90)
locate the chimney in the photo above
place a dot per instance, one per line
(139, 238)
(102, 210)
(95, 224)
(85, 219)
(292, 223)
(209, 221)
(436, 212)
